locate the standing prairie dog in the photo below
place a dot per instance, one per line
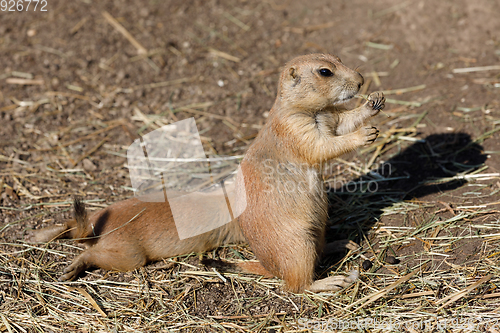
(286, 213)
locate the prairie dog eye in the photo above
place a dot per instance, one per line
(325, 72)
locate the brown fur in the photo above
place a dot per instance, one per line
(286, 211)
(129, 234)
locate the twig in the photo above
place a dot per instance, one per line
(25, 82)
(476, 69)
(140, 49)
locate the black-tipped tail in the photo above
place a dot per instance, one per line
(80, 214)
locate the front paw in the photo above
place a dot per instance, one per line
(376, 102)
(371, 134)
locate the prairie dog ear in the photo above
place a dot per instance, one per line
(293, 72)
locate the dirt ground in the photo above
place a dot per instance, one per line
(75, 92)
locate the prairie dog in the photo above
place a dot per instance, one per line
(284, 226)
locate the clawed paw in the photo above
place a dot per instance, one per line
(68, 276)
(371, 134)
(71, 272)
(376, 101)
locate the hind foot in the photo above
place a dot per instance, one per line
(334, 283)
(72, 271)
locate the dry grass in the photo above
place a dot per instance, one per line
(166, 295)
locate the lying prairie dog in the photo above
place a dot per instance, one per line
(306, 127)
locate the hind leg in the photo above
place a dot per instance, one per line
(53, 232)
(82, 262)
(106, 258)
(48, 234)
(335, 283)
(298, 269)
(254, 267)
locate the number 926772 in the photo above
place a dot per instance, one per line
(23, 5)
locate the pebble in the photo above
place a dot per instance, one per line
(391, 260)
(88, 165)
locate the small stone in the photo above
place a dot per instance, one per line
(391, 260)
(31, 32)
(55, 82)
(88, 165)
(53, 138)
(120, 75)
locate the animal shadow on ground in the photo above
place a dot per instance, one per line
(432, 165)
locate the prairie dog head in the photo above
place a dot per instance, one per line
(316, 81)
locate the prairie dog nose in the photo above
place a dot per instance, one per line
(361, 81)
